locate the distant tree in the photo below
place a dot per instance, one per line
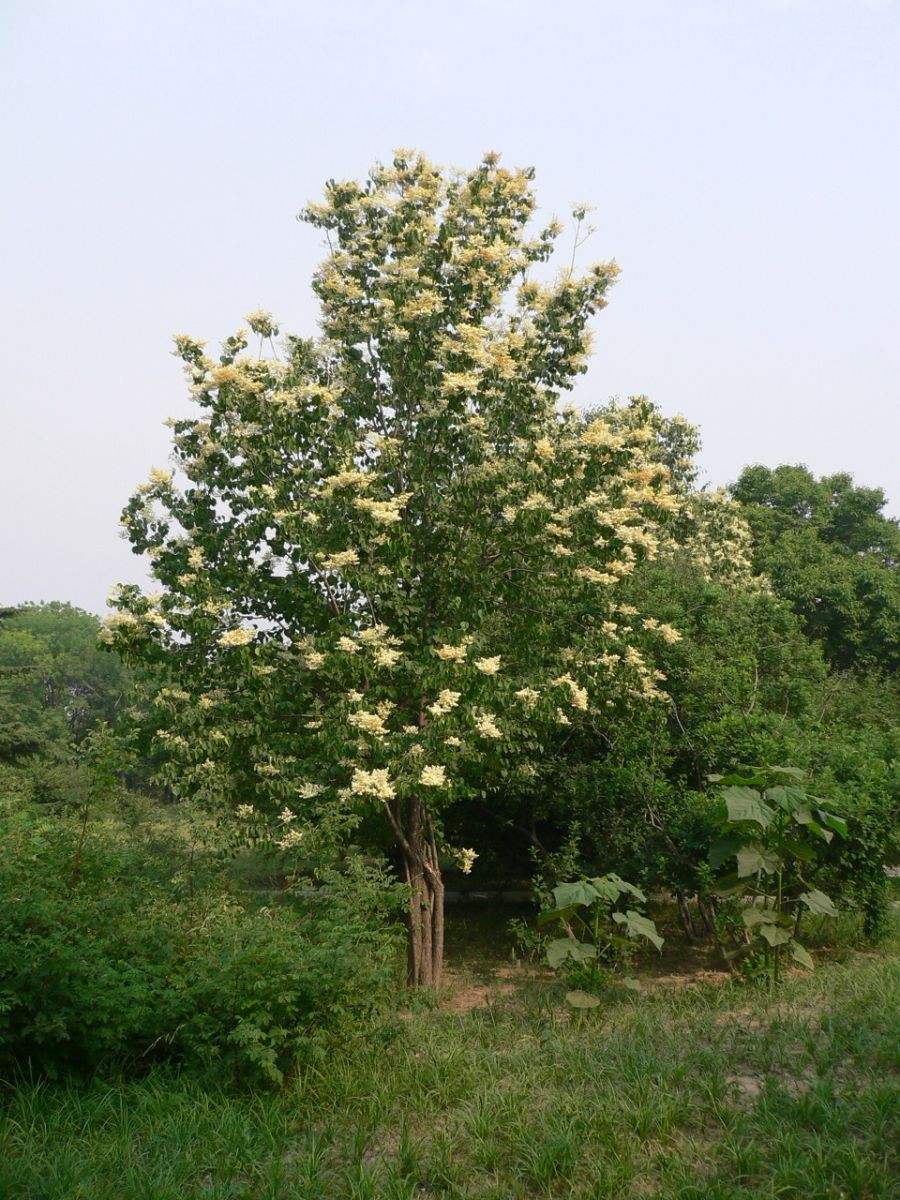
(830, 550)
(56, 681)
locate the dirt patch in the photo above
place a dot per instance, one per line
(683, 979)
(464, 999)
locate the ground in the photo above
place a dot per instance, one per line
(696, 1089)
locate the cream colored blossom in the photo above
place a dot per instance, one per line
(594, 576)
(242, 636)
(314, 660)
(487, 726)
(375, 783)
(433, 776)
(290, 838)
(446, 701)
(579, 695)
(348, 645)
(452, 653)
(369, 722)
(245, 811)
(339, 560)
(528, 696)
(386, 657)
(286, 816)
(383, 512)
(343, 479)
(466, 860)
(452, 741)
(488, 666)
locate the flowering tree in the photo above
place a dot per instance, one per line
(388, 559)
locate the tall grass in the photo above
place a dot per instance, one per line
(697, 1093)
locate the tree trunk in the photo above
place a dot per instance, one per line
(425, 957)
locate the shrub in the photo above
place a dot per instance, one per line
(113, 951)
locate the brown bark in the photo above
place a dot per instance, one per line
(415, 833)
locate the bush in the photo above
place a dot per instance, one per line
(113, 951)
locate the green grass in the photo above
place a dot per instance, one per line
(697, 1092)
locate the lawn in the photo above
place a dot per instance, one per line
(697, 1089)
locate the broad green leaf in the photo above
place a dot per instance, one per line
(723, 849)
(583, 1000)
(623, 885)
(795, 772)
(639, 926)
(751, 859)
(579, 892)
(558, 951)
(825, 834)
(801, 955)
(759, 916)
(818, 902)
(802, 816)
(774, 934)
(838, 824)
(632, 984)
(607, 888)
(582, 951)
(746, 804)
(557, 914)
(790, 846)
(787, 798)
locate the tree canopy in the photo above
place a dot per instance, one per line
(829, 549)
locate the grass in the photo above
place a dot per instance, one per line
(691, 1091)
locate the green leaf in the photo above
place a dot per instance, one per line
(583, 1000)
(558, 951)
(582, 951)
(794, 772)
(838, 824)
(746, 804)
(639, 926)
(627, 981)
(825, 834)
(724, 849)
(818, 902)
(801, 955)
(759, 916)
(579, 892)
(751, 859)
(557, 914)
(622, 884)
(774, 934)
(802, 816)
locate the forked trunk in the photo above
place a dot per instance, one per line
(425, 958)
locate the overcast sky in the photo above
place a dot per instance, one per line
(743, 158)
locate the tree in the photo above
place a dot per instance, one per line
(830, 550)
(56, 684)
(389, 559)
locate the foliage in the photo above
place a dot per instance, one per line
(698, 1093)
(118, 952)
(598, 936)
(54, 677)
(389, 562)
(776, 831)
(829, 549)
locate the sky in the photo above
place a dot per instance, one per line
(742, 158)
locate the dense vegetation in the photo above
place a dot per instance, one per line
(421, 628)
